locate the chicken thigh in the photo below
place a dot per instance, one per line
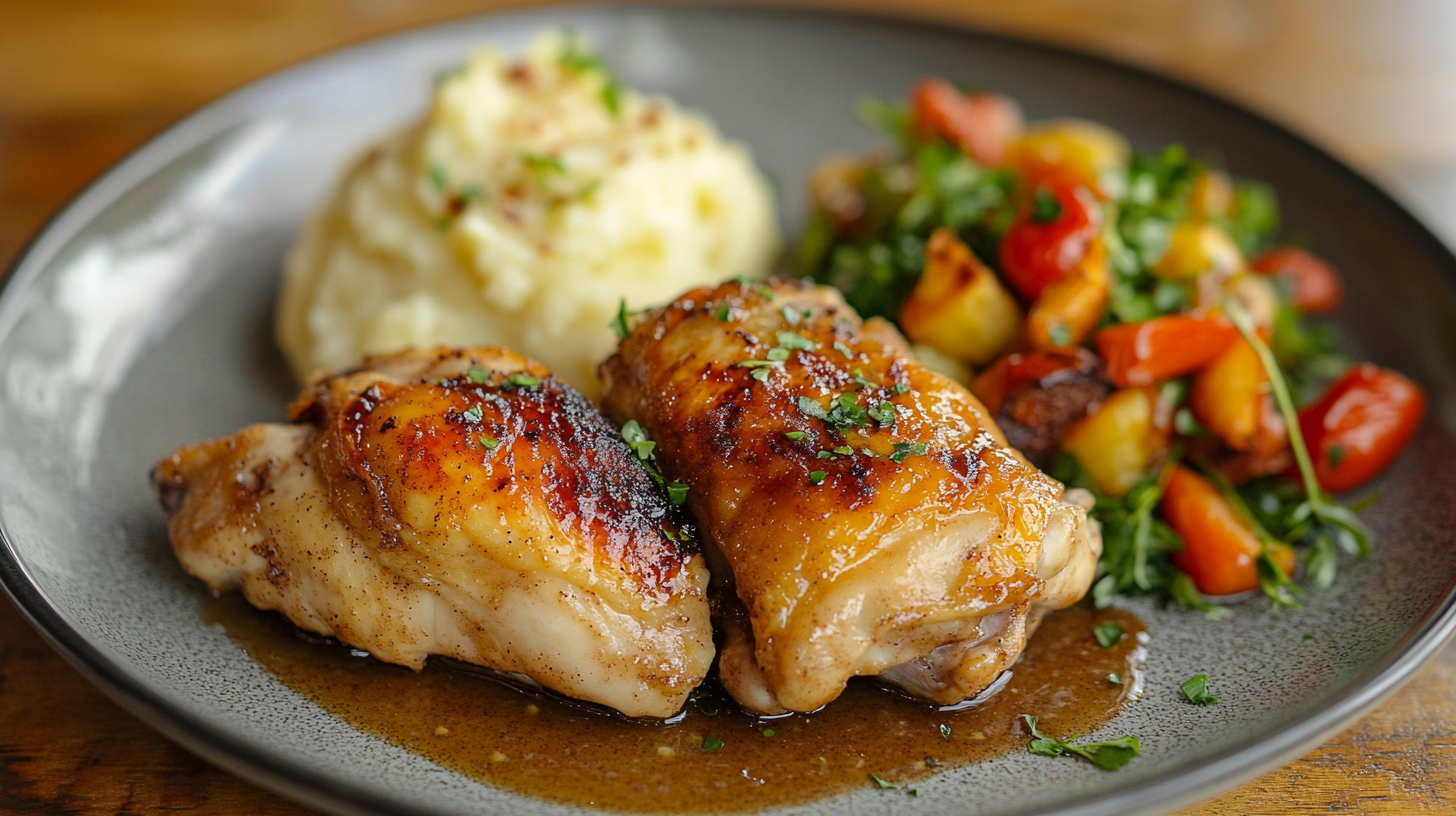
(863, 514)
(463, 503)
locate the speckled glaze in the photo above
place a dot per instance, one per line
(139, 321)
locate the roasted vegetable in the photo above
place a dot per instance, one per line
(1231, 399)
(1361, 425)
(1068, 310)
(1198, 247)
(1220, 550)
(1120, 440)
(1314, 286)
(981, 124)
(1037, 395)
(1071, 153)
(1049, 238)
(959, 308)
(1162, 348)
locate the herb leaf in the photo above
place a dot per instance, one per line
(711, 743)
(619, 323)
(904, 450)
(1109, 755)
(1195, 689)
(1108, 634)
(677, 493)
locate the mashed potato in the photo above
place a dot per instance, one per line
(534, 196)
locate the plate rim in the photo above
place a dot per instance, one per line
(256, 764)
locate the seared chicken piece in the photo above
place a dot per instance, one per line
(462, 503)
(869, 516)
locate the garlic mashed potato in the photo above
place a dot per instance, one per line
(534, 196)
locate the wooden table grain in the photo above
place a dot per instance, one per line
(84, 81)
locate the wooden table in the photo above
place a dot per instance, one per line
(84, 81)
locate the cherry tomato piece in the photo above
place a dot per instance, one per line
(1048, 238)
(1315, 285)
(1220, 552)
(1361, 425)
(981, 124)
(1162, 348)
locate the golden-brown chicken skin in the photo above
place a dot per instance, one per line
(459, 502)
(864, 509)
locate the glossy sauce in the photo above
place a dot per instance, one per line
(541, 746)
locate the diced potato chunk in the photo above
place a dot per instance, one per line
(1231, 397)
(1118, 443)
(1073, 151)
(958, 307)
(1198, 247)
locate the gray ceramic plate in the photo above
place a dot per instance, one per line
(139, 320)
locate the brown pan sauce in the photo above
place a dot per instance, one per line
(542, 746)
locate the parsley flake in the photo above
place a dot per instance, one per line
(619, 323)
(791, 316)
(944, 731)
(817, 477)
(1045, 208)
(1114, 679)
(542, 166)
(1109, 755)
(768, 732)
(795, 341)
(882, 784)
(478, 375)
(519, 381)
(884, 413)
(1108, 634)
(677, 493)
(794, 435)
(904, 450)
(711, 743)
(843, 349)
(778, 354)
(489, 442)
(723, 312)
(473, 414)
(1195, 689)
(900, 388)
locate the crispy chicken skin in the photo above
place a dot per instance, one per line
(929, 572)
(431, 504)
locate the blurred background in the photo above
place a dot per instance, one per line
(82, 82)
(1374, 81)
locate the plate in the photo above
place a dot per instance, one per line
(139, 320)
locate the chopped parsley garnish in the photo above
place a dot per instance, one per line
(884, 413)
(1195, 689)
(768, 732)
(817, 476)
(619, 323)
(473, 414)
(1114, 679)
(794, 435)
(711, 743)
(1109, 755)
(677, 493)
(519, 381)
(637, 440)
(573, 58)
(791, 315)
(795, 342)
(1045, 208)
(478, 375)
(882, 784)
(542, 166)
(904, 450)
(489, 442)
(723, 312)
(840, 347)
(944, 731)
(1108, 634)
(859, 379)
(900, 388)
(843, 415)
(778, 354)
